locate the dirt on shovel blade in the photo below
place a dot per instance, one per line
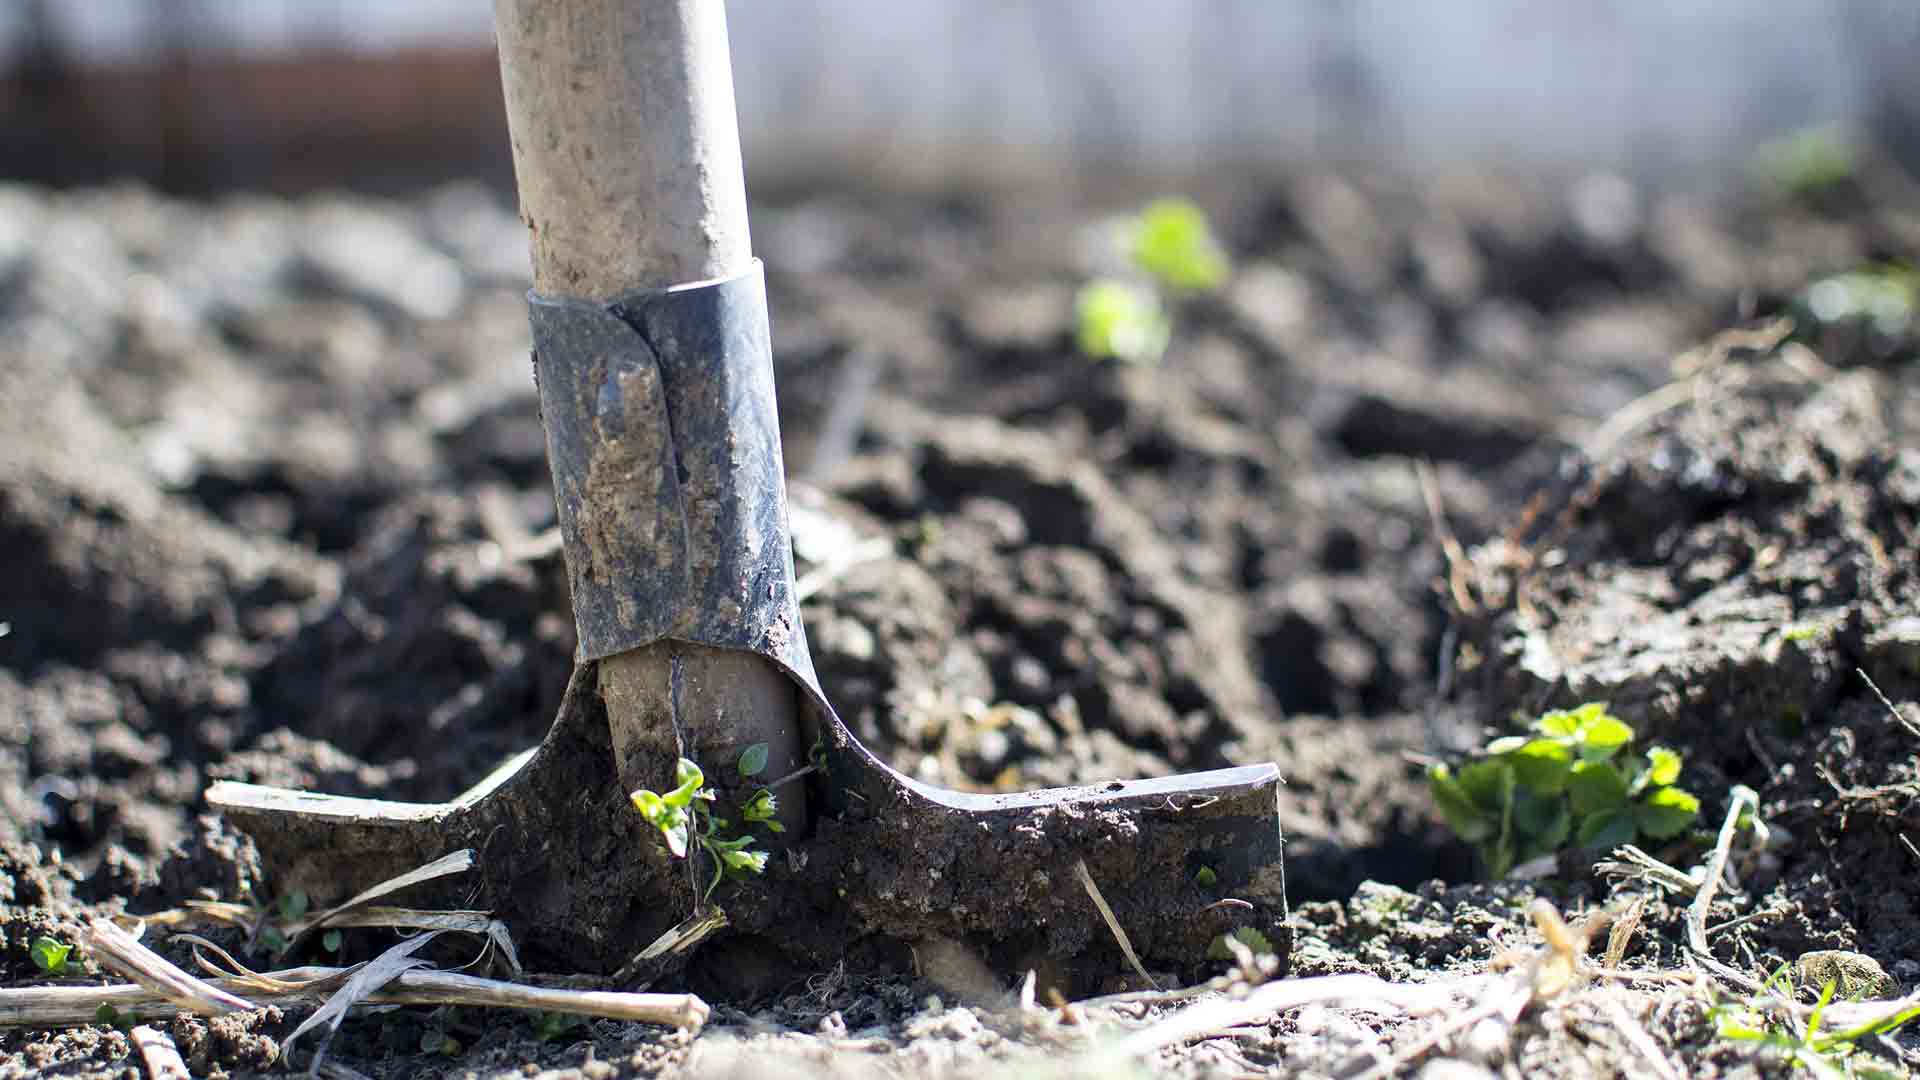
(274, 507)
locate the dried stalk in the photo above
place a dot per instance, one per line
(118, 950)
(75, 1006)
(162, 1058)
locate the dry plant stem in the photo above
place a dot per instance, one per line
(1700, 954)
(161, 1057)
(119, 951)
(1898, 717)
(1113, 923)
(1353, 991)
(1638, 1038)
(77, 1006)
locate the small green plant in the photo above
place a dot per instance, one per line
(108, 1016)
(1122, 321)
(331, 941)
(1171, 241)
(686, 819)
(1806, 164)
(1573, 780)
(1882, 297)
(1173, 253)
(553, 1026)
(1205, 877)
(49, 956)
(1245, 935)
(1820, 1052)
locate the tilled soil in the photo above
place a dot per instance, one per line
(274, 507)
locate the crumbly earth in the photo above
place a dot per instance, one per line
(274, 505)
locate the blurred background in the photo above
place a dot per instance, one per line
(193, 95)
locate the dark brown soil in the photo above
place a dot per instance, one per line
(273, 490)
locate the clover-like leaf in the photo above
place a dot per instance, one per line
(1666, 812)
(1253, 939)
(1464, 817)
(1595, 786)
(753, 760)
(1172, 242)
(1557, 722)
(1552, 835)
(1534, 813)
(1121, 320)
(1543, 765)
(1607, 829)
(1603, 736)
(749, 861)
(49, 955)
(1488, 783)
(1663, 766)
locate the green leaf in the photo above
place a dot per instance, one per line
(1663, 766)
(753, 760)
(1118, 320)
(1666, 812)
(651, 806)
(49, 955)
(1205, 877)
(106, 1015)
(1543, 765)
(1604, 736)
(1594, 786)
(1607, 829)
(1172, 242)
(1467, 820)
(1544, 822)
(331, 941)
(1506, 744)
(676, 828)
(689, 779)
(748, 861)
(1253, 939)
(760, 807)
(1487, 782)
(293, 905)
(1558, 723)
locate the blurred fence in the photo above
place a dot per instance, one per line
(288, 93)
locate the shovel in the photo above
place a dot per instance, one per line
(653, 360)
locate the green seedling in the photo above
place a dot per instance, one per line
(1573, 782)
(1205, 877)
(685, 818)
(49, 956)
(331, 941)
(294, 905)
(1806, 164)
(553, 1026)
(1820, 1052)
(1245, 935)
(1119, 320)
(1171, 241)
(1173, 253)
(108, 1016)
(1882, 297)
